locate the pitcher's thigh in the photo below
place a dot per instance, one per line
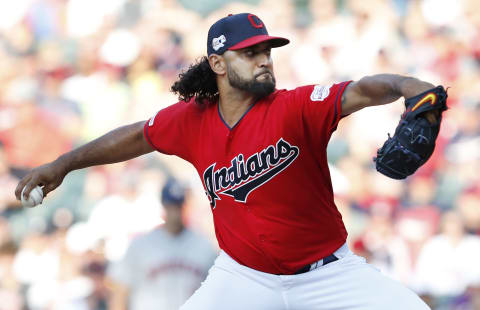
(351, 284)
(227, 290)
(382, 292)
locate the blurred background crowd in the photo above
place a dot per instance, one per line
(71, 70)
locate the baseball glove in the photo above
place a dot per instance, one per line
(414, 139)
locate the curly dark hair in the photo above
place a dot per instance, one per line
(197, 81)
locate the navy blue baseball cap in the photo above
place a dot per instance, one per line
(239, 31)
(173, 193)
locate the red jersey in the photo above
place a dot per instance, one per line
(267, 177)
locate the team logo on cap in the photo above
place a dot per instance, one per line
(218, 43)
(253, 22)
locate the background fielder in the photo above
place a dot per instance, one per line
(162, 268)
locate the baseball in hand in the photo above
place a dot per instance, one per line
(35, 198)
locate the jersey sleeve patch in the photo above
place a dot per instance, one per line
(152, 120)
(169, 131)
(320, 92)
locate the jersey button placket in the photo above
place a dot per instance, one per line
(228, 142)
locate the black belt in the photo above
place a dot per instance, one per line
(326, 260)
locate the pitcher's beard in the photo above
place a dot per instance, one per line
(253, 86)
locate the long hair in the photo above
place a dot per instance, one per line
(197, 81)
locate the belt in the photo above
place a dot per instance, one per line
(326, 260)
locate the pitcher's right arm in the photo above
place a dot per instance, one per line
(118, 145)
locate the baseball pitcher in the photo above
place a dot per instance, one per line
(261, 154)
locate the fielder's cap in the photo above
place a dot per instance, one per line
(239, 31)
(173, 193)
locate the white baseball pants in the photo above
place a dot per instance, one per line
(346, 284)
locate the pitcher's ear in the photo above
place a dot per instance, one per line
(217, 63)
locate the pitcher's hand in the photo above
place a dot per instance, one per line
(50, 176)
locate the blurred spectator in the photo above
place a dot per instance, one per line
(135, 212)
(33, 140)
(416, 226)
(162, 268)
(421, 192)
(10, 287)
(98, 298)
(5, 234)
(382, 245)
(36, 267)
(64, 113)
(448, 263)
(8, 183)
(468, 204)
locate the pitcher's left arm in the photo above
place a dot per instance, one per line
(380, 89)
